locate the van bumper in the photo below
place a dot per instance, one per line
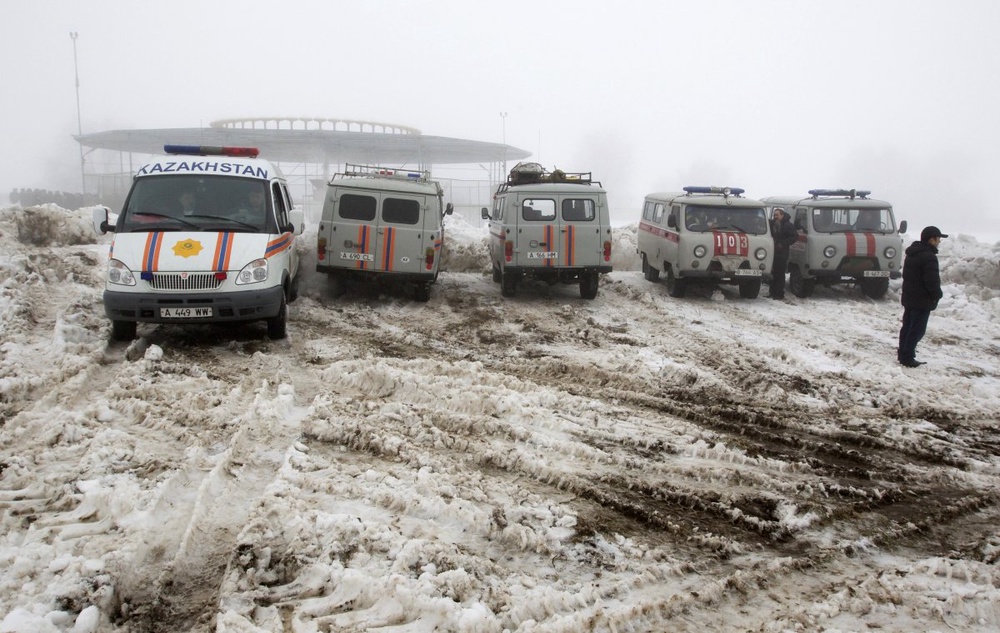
(378, 275)
(246, 305)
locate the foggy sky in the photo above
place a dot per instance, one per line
(775, 96)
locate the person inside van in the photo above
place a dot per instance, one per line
(187, 202)
(254, 210)
(868, 220)
(697, 220)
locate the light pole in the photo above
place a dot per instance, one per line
(503, 121)
(79, 125)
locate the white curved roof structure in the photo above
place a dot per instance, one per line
(311, 140)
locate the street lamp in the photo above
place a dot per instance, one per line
(79, 125)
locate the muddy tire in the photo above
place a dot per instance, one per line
(277, 326)
(496, 275)
(123, 330)
(650, 273)
(750, 288)
(801, 288)
(508, 284)
(336, 285)
(422, 292)
(588, 285)
(675, 287)
(875, 287)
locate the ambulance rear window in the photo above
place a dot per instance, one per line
(538, 209)
(399, 211)
(355, 207)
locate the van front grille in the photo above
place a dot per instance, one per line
(188, 281)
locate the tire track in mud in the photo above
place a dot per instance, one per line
(864, 474)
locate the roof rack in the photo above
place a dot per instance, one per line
(723, 191)
(534, 173)
(375, 171)
(842, 193)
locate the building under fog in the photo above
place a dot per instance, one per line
(309, 152)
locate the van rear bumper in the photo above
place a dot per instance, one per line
(377, 275)
(145, 307)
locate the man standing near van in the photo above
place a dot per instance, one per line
(784, 236)
(921, 292)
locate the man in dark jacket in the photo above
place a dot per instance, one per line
(921, 292)
(784, 236)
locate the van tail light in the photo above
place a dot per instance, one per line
(429, 258)
(508, 250)
(321, 249)
(607, 251)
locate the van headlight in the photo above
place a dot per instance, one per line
(119, 274)
(829, 252)
(700, 250)
(760, 253)
(890, 252)
(253, 273)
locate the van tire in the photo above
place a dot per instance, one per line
(650, 273)
(336, 284)
(588, 285)
(293, 292)
(277, 327)
(508, 284)
(675, 286)
(750, 289)
(422, 292)
(496, 275)
(875, 287)
(800, 287)
(123, 330)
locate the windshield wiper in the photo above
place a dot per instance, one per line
(225, 219)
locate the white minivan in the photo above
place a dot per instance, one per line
(206, 235)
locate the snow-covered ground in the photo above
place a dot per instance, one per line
(480, 464)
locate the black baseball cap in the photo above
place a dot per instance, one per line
(931, 231)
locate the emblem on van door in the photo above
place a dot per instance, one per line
(187, 248)
(405, 260)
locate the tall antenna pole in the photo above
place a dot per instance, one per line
(79, 124)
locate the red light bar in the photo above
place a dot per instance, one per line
(208, 150)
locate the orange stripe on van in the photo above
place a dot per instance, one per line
(570, 245)
(388, 248)
(362, 244)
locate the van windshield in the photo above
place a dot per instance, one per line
(829, 220)
(201, 203)
(705, 219)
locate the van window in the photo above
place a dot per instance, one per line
(578, 209)
(399, 211)
(658, 212)
(355, 207)
(279, 205)
(538, 209)
(647, 210)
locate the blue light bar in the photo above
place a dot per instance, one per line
(726, 191)
(209, 150)
(849, 193)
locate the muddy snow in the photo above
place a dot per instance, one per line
(481, 464)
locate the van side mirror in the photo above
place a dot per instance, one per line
(100, 217)
(672, 221)
(485, 213)
(297, 222)
(902, 226)
(449, 209)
